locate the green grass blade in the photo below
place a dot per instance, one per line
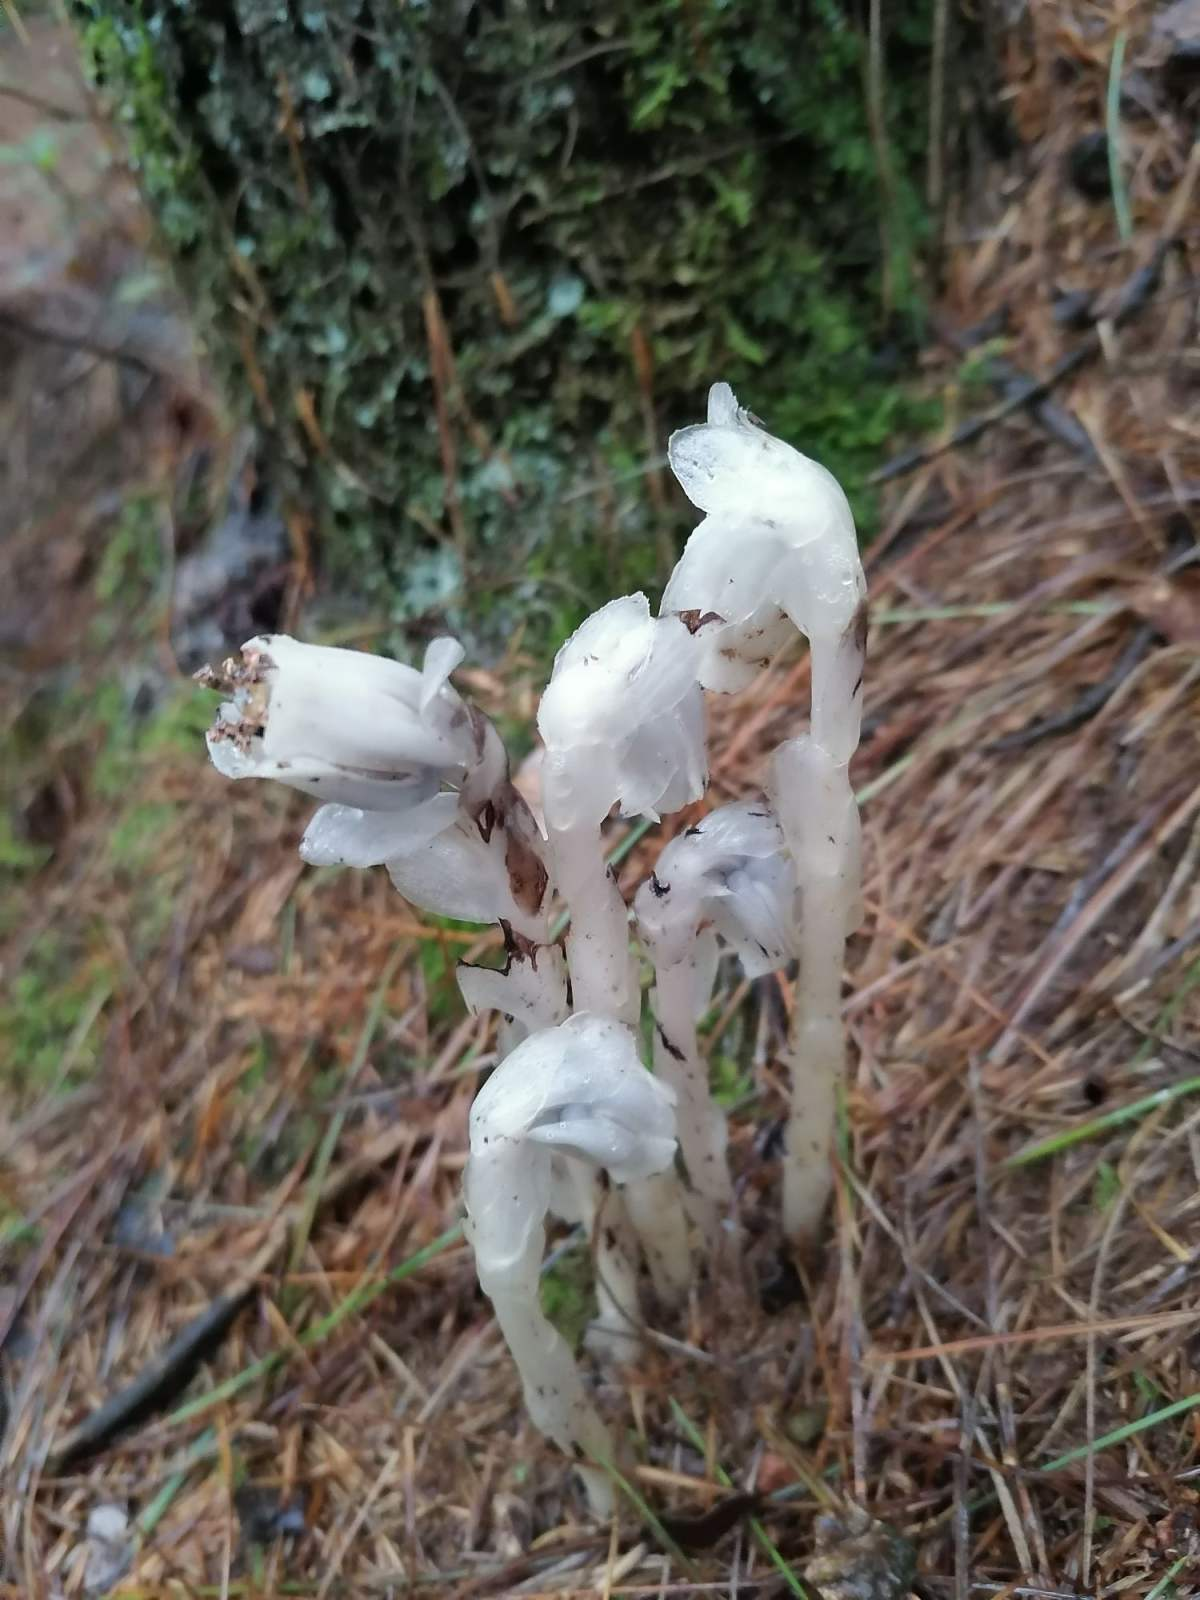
(362, 1295)
(1177, 1408)
(1112, 126)
(1097, 1125)
(770, 1548)
(337, 1122)
(1168, 1578)
(1168, 1013)
(365, 1293)
(985, 609)
(646, 1512)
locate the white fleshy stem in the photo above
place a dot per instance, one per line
(700, 1123)
(623, 723)
(656, 1211)
(585, 1197)
(817, 812)
(603, 973)
(604, 979)
(777, 540)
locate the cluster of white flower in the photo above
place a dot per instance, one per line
(571, 1121)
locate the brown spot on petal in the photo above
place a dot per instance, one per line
(485, 821)
(517, 946)
(527, 876)
(859, 624)
(693, 620)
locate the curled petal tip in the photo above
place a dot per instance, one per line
(722, 405)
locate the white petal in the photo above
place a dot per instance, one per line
(734, 871)
(347, 708)
(580, 1088)
(624, 1154)
(533, 995)
(730, 565)
(442, 656)
(229, 760)
(742, 469)
(456, 875)
(779, 534)
(722, 405)
(732, 657)
(622, 717)
(347, 836)
(399, 792)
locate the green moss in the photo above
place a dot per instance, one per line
(612, 206)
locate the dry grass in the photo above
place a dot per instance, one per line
(997, 1353)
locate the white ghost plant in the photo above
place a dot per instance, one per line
(777, 547)
(571, 1122)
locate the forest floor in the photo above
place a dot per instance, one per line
(234, 1097)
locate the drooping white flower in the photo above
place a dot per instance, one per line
(373, 737)
(733, 871)
(776, 546)
(623, 705)
(777, 542)
(531, 988)
(731, 875)
(623, 723)
(577, 1091)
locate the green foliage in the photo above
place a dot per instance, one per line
(96, 731)
(569, 1295)
(1106, 1185)
(608, 207)
(132, 555)
(45, 1015)
(730, 1084)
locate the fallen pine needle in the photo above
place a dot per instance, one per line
(1151, 1322)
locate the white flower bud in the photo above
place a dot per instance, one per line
(582, 1088)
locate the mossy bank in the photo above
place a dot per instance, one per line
(468, 263)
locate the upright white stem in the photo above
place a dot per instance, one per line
(623, 723)
(778, 540)
(604, 980)
(700, 1123)
(603, 973)
(816, 809)
(656, 1211)
(594, 1203)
